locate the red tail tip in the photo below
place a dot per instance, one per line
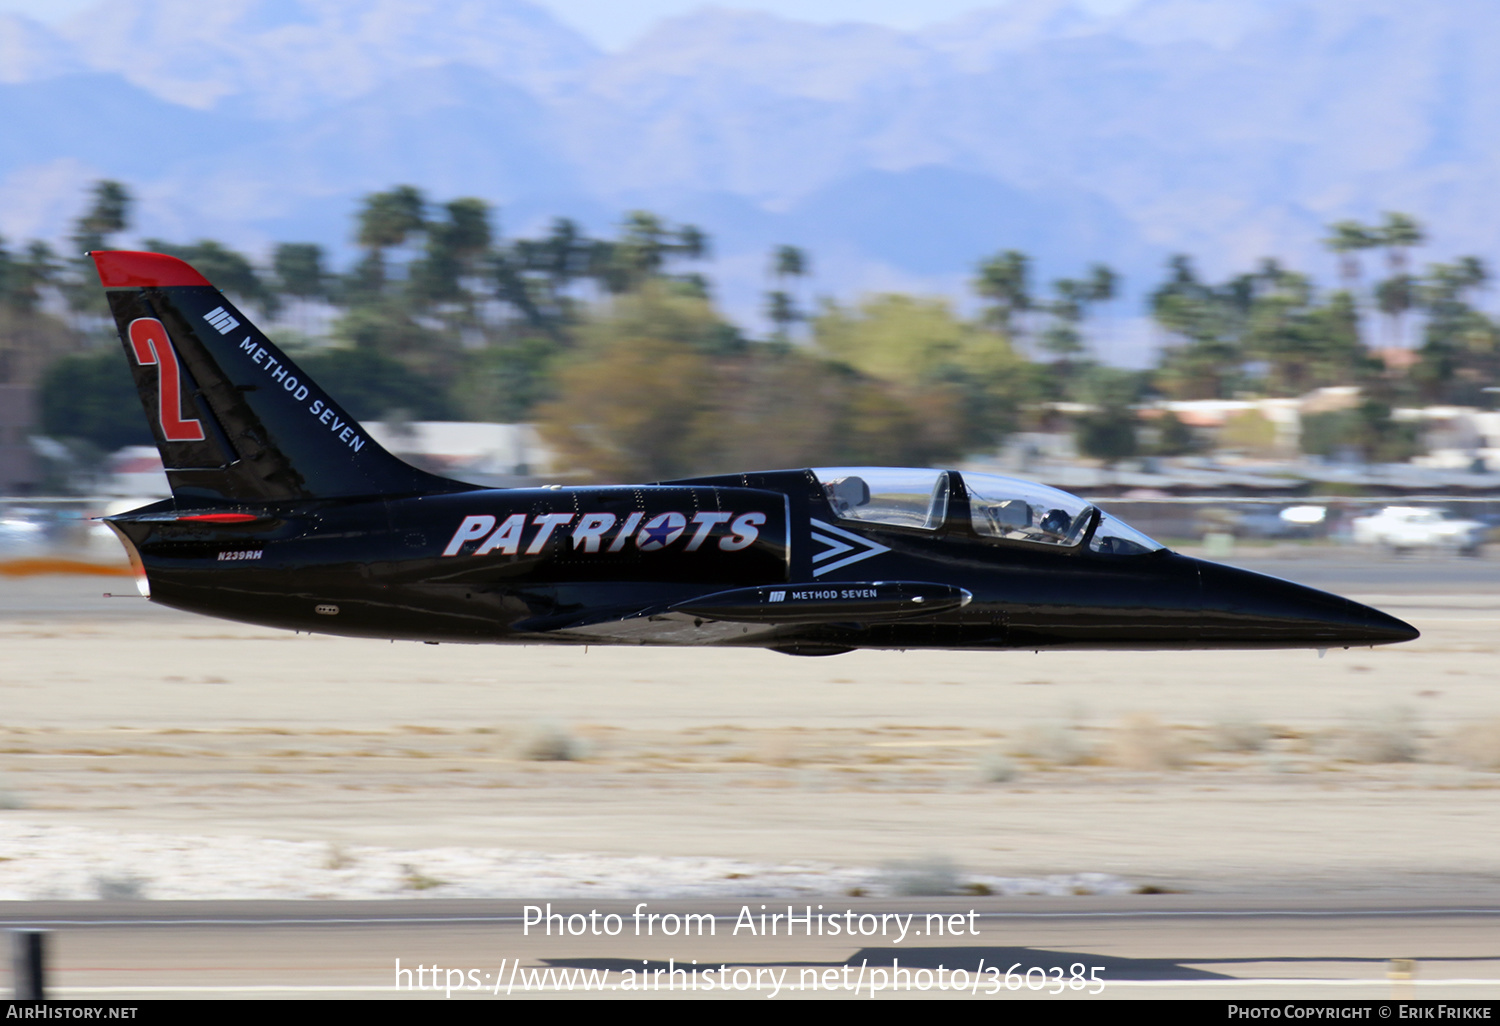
(125, 269)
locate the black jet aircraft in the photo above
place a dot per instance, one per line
(285, 512)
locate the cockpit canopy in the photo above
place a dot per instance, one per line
(1003, 508)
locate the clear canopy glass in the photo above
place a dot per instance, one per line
(887, 495)
(1005, 507)
(1118, 538)
(999, 507)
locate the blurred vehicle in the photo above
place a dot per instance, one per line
(1291, 522)
(21, 537)
(1403, 528)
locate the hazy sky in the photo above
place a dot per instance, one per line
(613, 24)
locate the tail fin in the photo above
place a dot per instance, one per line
(235, 420)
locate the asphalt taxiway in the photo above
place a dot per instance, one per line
(1038, 948)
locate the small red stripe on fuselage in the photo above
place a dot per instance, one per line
(222, 518)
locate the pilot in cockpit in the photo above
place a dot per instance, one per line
(1056, 523)
(846, 493)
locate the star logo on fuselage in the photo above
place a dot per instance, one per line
(661, 531)
(843, 548)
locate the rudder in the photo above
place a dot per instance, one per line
(234, 418)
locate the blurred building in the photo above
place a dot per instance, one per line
(1457, 437)
(136, 472)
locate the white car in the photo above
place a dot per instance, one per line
(1401, 528)
(20, 537)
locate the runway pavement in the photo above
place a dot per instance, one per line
(1037, 948)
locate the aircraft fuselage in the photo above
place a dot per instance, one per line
(641, 564)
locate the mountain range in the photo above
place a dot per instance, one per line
(1228, 129)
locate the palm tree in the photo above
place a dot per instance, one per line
(783, 313)
(1348, 239)
(1103, 283)
(781, 305)
(109, 214)
(1398, 234)
(1004, 279)
(1396, 295)
(301, 274)
(692, 243)
(22, 280)
(788, 262)
(643, 245)
(454, 248)
(1102, 287)
(387, 220)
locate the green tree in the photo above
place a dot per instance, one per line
(1340, 356)
(1207, 361)
(1280, 330)
(107, 215)
(1398, 233)
(371, 386)
(301, 271)
(1173, 437)
(1063, 337)
(92, 396)
(919, 346)
(1395, 296)
(506, 380)
(22, 279)
(1074, 299)
(1108, 431)
(1005, 280)
(782, 309)
(1348, 239)
(230, 271)
(1460, 354)
(535, 278)
(1108, 435)
(385, 221)
(455, 245)
(653, 393)
(895, 337)
(638, 400)
(388, 330)
(646, 245)
(1266, 331)
(1367, 431)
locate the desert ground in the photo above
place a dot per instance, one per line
(147, 753)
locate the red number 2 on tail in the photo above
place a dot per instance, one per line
(149, 342)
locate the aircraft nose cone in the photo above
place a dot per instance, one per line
(1251, 608)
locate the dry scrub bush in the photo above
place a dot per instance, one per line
(548, 743)
(1477, 746)
(1055, 743)
(1142, 743)
(929, 876)
(1387, 735)
(1237, 732)
(996, 768)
